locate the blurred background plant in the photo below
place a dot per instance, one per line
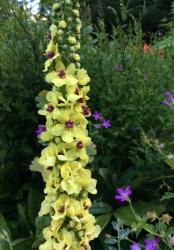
(128, 87)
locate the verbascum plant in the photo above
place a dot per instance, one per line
(65, 158)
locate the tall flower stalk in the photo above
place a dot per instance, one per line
(65, 134)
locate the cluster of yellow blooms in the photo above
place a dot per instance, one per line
(65, 158)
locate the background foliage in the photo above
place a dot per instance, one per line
(127, 86)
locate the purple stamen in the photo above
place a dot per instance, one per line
(69, 124)
(50, 54)
(62, 74)
(50, 108)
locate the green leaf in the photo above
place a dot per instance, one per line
(23, 219)
(141, 208)
(41, 99)
(110, 240)
(3, 224)
(167, 196)
(101, 208)
(41, 223)
(170, 162)
(103, 220)
(123, 233)
(150, 228)
(22, 244)
(34, 202)
(4, 239)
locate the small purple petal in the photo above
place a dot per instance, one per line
(123, 194)
(168, 94)
(97, 115)
(135, 246)
(152, 244)
(106, 124)
(165, 102)
(172, 241)
(40, 130)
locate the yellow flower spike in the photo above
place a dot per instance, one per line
(64, 159)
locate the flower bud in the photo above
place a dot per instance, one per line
(56, 6)
(76, 57)
(72, 40)
(76, 13)
(62, 24)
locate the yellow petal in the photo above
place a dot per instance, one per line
(67, 136)
(57, 129)
(71, 69)
(51, 76)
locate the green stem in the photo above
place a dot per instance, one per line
(133, 211)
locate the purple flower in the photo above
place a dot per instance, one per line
(172, 241)
(152, 244)
(168, 94)
(97, 126)
(171, 98)
(118, 68)
(135, 246)
(40, 130)
(165, 102)
(123, 194)
(97, 115)
(106, 124)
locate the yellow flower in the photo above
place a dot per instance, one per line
(51, 53)
(60, 206)
(69, 173)
(62, 76)
(82, 76)
(53, 183)
(46, 204)
(48, 155)
(67, 237)
(84, 179)
(55, 226)
(48, 245)
(47, 233)
(70, 124)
